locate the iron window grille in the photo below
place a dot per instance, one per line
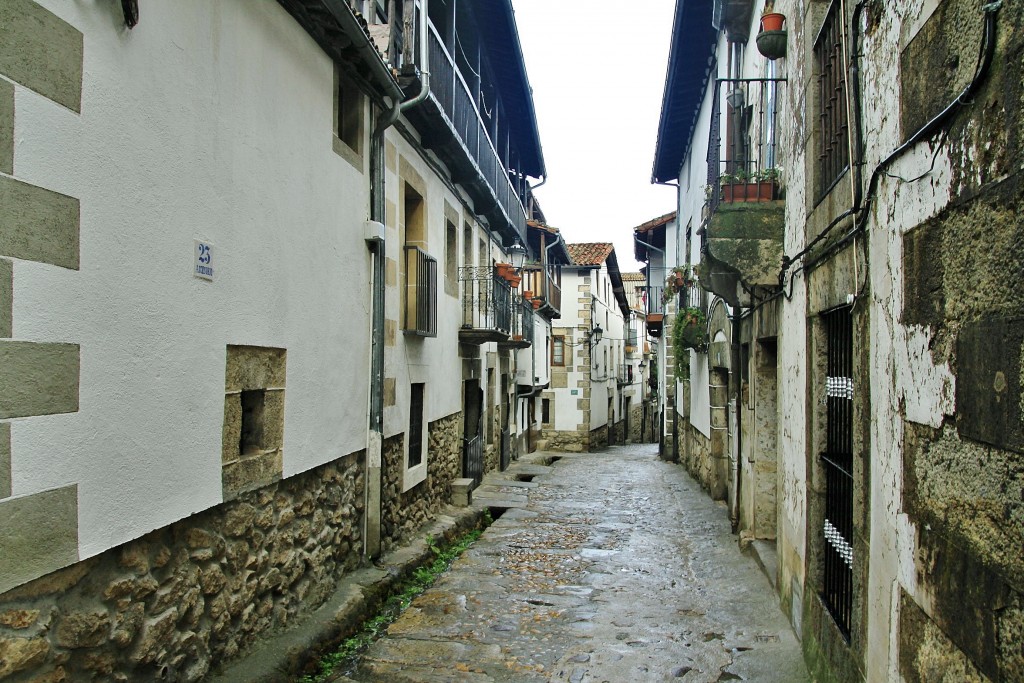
(415, 425)
(833, 151)
(837, 461)
(420, 293)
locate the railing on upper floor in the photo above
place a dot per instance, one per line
(748, 146)
(458, 104)
(625, 374)
(654, 300)
(486, 305)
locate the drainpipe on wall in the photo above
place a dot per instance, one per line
(375, 431)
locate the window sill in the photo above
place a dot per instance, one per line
(347, 153)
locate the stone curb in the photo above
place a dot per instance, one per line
(279, 657)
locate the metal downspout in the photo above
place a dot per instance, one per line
(375, 431)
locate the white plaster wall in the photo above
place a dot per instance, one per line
(212, 121)
(432, 360)
(568, 416)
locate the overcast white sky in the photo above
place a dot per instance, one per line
(598, 70)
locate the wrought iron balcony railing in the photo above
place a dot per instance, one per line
(625, 374)
(542, 282)
(457, 102)
(420, 304)
(487, 311)
(654, 300)
(745, 151)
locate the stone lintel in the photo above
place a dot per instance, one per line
(38, 378)
(41, 51)
(37, 224)
(255, 367)
(39, 535)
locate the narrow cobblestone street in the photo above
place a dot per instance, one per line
(617, 567)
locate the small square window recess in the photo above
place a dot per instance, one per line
(251, 439)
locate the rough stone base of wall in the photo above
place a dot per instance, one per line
(195, 593)
(599, 438)
(403, 513)
(567, 442)
(618, 435)
(696, 456)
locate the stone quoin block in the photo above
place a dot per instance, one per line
(6, 127)
(5, 459)
(6, 298)
(39, 535)
(37, 224)
(38, 378)
(41, 51)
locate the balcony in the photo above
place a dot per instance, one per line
(744, 214)
(487, 310)
(522, 323)
(455, 131)
(420, 302)
(624, 375)
(632, 341)
(654, 307)
(543, 283)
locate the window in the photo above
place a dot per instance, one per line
(451, 253)
(837, 461)
(545, 410)
(253, 428)
(420, 295)
(349, 104)
(833, 152)
(558, 350)
(415, 425)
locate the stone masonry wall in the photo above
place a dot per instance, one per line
(569, 442)
(196, 593)
(599, 438)
(403, 513)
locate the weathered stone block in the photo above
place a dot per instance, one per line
(18, 654)
(41, 51)
(39, 535)
(38, 224)
(390, 332)
(38, 379)
(19, 619)
(988, 387)
(255, 367)
(390, 392)
(83, 629)
(6, 297)
(251, 472)
(6, 128)
(5, 459)
(231, 432)
(391, 272)
(462, 492)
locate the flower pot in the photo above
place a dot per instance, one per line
(771, 44)
(763, 191)
(772, 21)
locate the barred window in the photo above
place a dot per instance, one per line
(833, 153)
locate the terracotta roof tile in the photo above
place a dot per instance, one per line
(589, 253)
(633, 277)
(655, 222)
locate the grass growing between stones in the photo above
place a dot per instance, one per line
(343, 659)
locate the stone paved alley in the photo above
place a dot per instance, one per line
(616, 567)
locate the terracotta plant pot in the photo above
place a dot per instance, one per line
(763, 191)
(772, 21)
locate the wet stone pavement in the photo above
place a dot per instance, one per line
(615, 566)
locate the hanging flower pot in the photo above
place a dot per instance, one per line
(772, 21)
(771, 39)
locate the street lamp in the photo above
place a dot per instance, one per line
(595, 336)
(517, 255)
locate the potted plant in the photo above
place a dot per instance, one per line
(690, 331)
(679, 278)
(740, 186)
(771, 39)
